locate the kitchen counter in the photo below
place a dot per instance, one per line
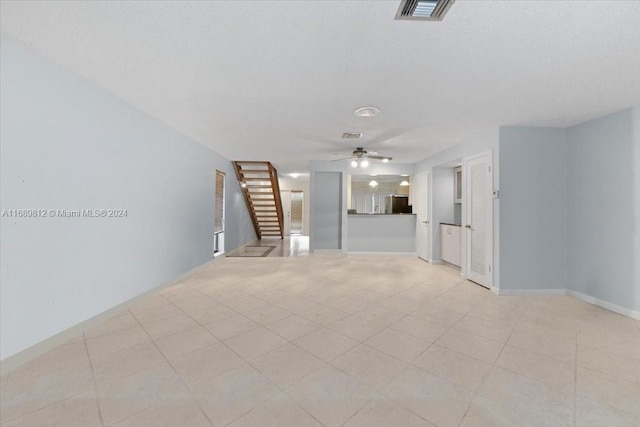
(372, 214)
(451, 224)
(381, 233)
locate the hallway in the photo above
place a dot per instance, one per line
(274, 247)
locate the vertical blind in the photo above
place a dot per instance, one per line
(218, 214)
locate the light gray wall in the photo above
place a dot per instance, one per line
(601, 197)
(327, 210)
(443, 203)
(533, 208)
(67, 144)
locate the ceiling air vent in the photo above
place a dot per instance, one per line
(423, 10)
(351, 135)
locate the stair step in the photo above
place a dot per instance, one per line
(256, 179)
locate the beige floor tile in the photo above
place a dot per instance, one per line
(429, 396)
(608, 391)
(485, 413)
(470, 345)
(494, 331)
(287, 364)
(209, 315)
(79, 411)
(368, 296)
(22, 397)
(177, 410)
(227, 397)
(553, 372)
(463, 371)
(231, 326)
(381, 412)
(626, 344)
(368, 365)
(267, 314)
(116, 341)
(257, 342)
(451, 305)
(185, 342)
(348, 305)
(398, 344)
(126, 362)
(401, 305)
(420, 328)
(297, 304)
(325, 343)
(356, 328)
(381, 315)
(196, 303)
(245, 303)
(277, 411)
(293, 327)
(123, 397)
(116, 323)
(205, 363)
(542, 341)
(146, 314)
(164, 327)
(320, 295)
(622, 367)
(590, 413)
(323, 314)
(61, 357)
(330, 395)
(527, 395)
(438, 315)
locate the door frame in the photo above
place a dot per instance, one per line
(427, 207)
(285, 198)
(466, 198)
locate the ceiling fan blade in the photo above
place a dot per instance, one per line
(345, 158)
(380, 157)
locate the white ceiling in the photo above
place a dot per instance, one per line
(279, 81)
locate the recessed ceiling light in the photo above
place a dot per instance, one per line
(294, 175)
(373, 184)
(404, 175)
(366, 111)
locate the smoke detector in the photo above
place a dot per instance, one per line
(423, 10)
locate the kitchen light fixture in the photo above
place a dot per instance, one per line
(404, 183)
(366, 111)
(373, 184)
(294, 175)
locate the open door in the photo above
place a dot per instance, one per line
(285, 196)
(478, 200)
(423, 216)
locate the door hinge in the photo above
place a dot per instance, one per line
(489, 168)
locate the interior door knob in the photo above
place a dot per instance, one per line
(468, 226)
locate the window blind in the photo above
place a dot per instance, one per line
(218, 215)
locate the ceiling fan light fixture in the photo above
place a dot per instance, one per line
(364, 163)
(385, 160)
(366, 111)
(354, 163)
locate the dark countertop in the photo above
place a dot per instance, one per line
(449, 223)
(378, 214)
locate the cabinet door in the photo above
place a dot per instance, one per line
(455, 246)
(445, 243)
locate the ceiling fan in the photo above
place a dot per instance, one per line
(361, 157)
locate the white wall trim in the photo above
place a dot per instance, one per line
(384, 253)
(604, 304)
(30, 353)
(531, 292)
(436, 261)
(578, 295)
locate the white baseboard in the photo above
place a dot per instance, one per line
(384, 253)
(604, 304)
(436, 261)
(635, 314)
(30, 353)
(531, 292)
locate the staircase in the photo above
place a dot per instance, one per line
(259, 181)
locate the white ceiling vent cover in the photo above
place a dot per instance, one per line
(351, 135)
(423, 10)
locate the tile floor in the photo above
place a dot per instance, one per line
(331, 340)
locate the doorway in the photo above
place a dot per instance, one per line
(423, 215)
(218, 214)
(478, 221)
(297, 203)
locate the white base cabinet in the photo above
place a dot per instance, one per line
(451, 244)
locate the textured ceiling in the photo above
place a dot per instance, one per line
(279, 80)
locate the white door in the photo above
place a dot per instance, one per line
(478, 201)
(423, 217)
(285, 196)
